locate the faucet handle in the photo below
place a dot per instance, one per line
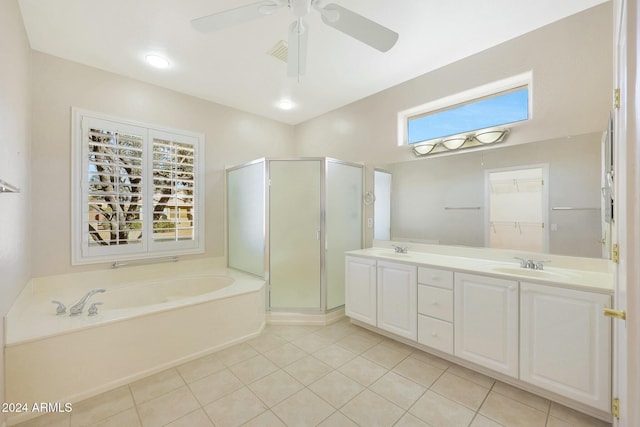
(93, 309)
(61, 308)
(400, 249)
(540, 264)
(523, 262)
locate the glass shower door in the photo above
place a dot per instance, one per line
(294, 233)
(245, 218)
(344, 224)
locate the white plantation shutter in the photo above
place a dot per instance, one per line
(175, 188)
(139, 192)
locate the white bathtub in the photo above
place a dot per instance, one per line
(153, 317)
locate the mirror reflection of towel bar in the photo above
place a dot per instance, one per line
(567, 208)
(449, 208)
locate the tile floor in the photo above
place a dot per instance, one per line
(336, 375)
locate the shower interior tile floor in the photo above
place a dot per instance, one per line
(336, 375)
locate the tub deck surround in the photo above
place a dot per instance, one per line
(160, 318)
(571, 272)
(130, 291)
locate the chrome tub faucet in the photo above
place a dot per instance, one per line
(79, 306)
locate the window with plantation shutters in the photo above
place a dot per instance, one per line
(173, 189)
(114, 200)
(137, 190)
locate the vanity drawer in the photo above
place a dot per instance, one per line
(435, 277)
(435, 302)
(435, 333)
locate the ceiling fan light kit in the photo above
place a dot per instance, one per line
(344, 20)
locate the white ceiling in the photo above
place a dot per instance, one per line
(231, 66)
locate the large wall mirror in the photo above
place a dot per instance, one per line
(446, 199)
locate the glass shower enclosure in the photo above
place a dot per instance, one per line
(290, 221)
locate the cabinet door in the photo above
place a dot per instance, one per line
(360, 289)
(566, 343)
(486, 322)
(398, 299)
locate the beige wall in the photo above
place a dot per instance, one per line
(572, 84)
(15, 153)
(232, 137)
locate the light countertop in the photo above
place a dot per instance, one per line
(571, 272)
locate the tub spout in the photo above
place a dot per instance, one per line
(77, 308)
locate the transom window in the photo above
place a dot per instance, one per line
(138, 190)
(468, 113)
(497, 110)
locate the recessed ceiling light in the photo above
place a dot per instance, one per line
(285, 104)
(157, 61)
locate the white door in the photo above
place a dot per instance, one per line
(517, 200)
(486, 322)
(360, 289)
(398, 299)
(565, 343)
(626, 206)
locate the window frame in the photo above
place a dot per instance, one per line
(82, 251)
(475, 94)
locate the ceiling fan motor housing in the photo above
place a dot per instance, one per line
(300, 8)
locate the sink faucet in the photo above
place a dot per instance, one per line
(400, 249)
(540, 264)
(77, 308)
(529, 263)
(523, 262)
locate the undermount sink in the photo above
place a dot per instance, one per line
(527, 272)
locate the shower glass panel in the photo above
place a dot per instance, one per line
(295, 233)
(344, 224)
(246, 218)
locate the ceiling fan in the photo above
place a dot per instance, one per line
(333, 15)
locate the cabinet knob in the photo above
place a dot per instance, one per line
(434, 277)
(434, 334)
(435, 303)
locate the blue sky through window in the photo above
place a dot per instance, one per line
(499, 110)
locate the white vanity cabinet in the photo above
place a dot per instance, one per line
(486, 322)
(361, 289)
(397, 299)
(566, 342)
(435, 308)
(550, 336)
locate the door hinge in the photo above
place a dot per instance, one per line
(615, 253)
(616, 98)
(615, 408)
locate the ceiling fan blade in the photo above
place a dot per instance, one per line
(297, 50)
(239, 15)
(359, 27)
